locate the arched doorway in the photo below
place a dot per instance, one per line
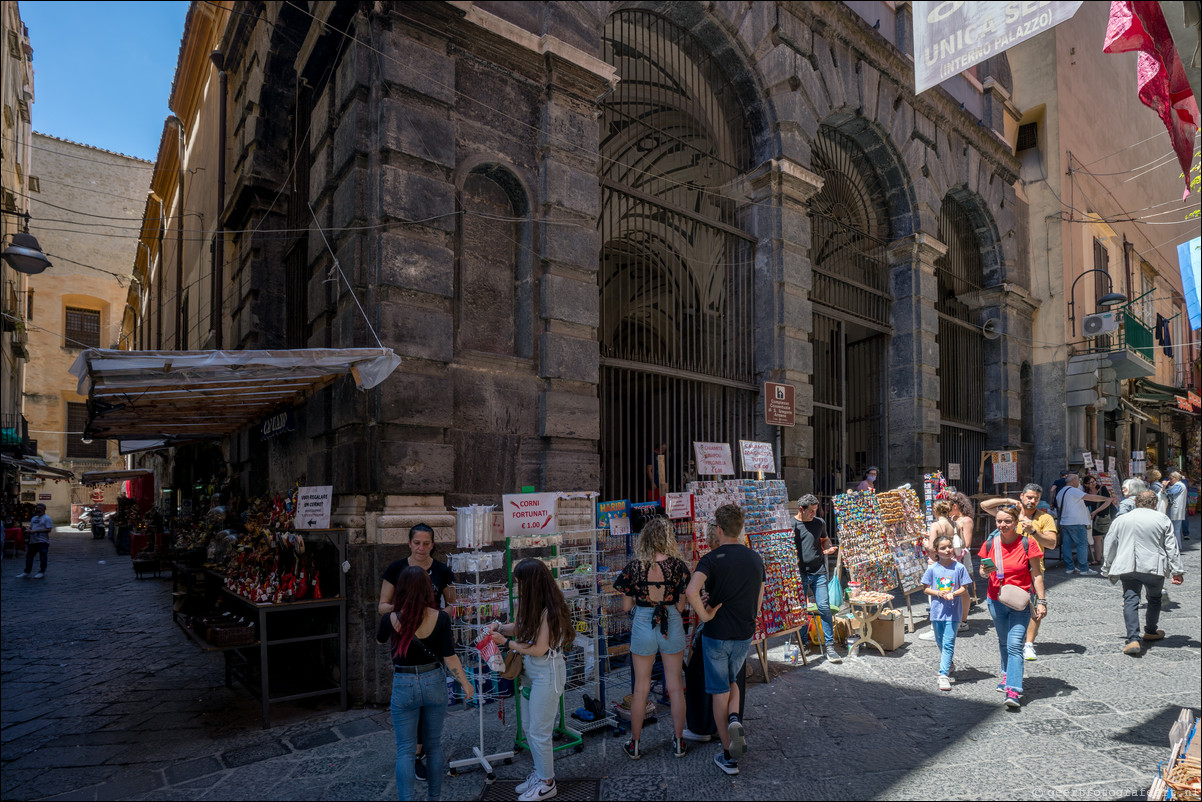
(850, 231)
(676, 270)
(959, 274)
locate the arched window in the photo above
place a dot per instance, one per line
(677, 334)
(959, 275)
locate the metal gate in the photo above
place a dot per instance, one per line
(675, 273)
(961, 347)
(851, 315)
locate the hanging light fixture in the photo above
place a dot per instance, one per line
(24, 254)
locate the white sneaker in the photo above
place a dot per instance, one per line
(525, 784)
(963, 627)
(1088, 572)
(22, 575)
(928, 635)
(689, 735)
(1028, 651)
(38, 575)
(539, 790)
(945, 684)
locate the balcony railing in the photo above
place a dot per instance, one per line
(14, 434)
(1132, 350)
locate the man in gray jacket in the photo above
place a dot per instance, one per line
(1140, 551)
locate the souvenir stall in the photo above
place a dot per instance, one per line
(867, 552)
(271, 599)
(902, 517)
(769, 530)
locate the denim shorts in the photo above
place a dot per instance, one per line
(723, 659)
(645, 639)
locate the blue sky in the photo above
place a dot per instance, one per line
(103, 70)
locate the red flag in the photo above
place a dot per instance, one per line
(1160, 74)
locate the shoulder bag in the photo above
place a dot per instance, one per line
(1012, 596)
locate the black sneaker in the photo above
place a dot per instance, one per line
(419, 767)
(738, 739)
(728, 765)
(631, 748)
(680, 747)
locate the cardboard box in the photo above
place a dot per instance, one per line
(889, 630)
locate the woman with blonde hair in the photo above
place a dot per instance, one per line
(653, 585)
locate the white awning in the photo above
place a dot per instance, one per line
(188, 395)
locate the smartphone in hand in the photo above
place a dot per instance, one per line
(988, 565)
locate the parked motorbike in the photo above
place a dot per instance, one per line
(85, 520)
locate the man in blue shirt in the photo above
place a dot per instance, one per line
(40, 527)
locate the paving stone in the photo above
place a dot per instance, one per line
(354, 729)
(253, 754)
(192, 769)
(312, 739)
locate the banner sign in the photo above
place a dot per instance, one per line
(714, 459)
(1195, 401)
(951, 36)
(608, 510)
(757, 456)
(1183, 403)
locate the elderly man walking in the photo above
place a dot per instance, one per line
(1141, 550)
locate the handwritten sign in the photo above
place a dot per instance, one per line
(1087, 458)
(679, 505)
(313, 506)
(714, 459)
(757, 456)
(527, 514)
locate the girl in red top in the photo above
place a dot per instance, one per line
(1014, 561)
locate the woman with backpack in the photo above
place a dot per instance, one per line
(1010, 561)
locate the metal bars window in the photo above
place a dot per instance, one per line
(676, 273)
(82, 327)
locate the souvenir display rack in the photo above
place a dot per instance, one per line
(572, 558)
(304, 631)
(902, 518)
(477, 604)
(866, 550)
(784, 611)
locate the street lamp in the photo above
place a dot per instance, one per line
(1109, 299)
(25, 254)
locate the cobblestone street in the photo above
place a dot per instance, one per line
(105, 698)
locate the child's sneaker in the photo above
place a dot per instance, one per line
(1012, 699)
(738, 738)
(945, 684)
(631, 748)
(728, 765)
(1028, 651)
(680, 747)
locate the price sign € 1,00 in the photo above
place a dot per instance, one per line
(528, 513)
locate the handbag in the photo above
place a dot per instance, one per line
(513, 665)
(1012, 596)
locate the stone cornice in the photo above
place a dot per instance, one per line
(785, 177)
(1007, 294)
(837, 21)
(918, 247)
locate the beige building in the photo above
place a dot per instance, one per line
(1105, 194)
(87, 206)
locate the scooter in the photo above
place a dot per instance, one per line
(85, 520)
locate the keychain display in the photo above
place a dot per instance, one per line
(785, 600)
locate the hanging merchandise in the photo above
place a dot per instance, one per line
(934, 487)
(473, 526)
(784, 608)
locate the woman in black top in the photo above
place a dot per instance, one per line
(422, 650)
(1101, 516)
(653, 585)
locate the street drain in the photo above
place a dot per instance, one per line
(569, 791)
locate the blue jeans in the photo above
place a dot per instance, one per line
(1011, 628)
(414, 694)
(31, 549)
(945, 636)
(1075, 539)
(723, 659)
(816, 590)
(545, 677)
(1179, 532)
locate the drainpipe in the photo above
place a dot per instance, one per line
(179, 253)
(219, 258)
(157, 283)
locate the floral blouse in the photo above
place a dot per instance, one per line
(633, 582)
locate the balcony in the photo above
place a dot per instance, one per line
(14, 436)
(1131, 349)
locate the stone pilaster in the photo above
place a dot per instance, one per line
(912, 427)
(777, 193)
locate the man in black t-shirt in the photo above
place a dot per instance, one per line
(813, 547)
(733, 576)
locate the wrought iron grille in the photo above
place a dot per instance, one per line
(850, 226)
(959, 271)
(962, 446)
(676, 273)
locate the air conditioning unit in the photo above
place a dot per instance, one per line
(1101, 323)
